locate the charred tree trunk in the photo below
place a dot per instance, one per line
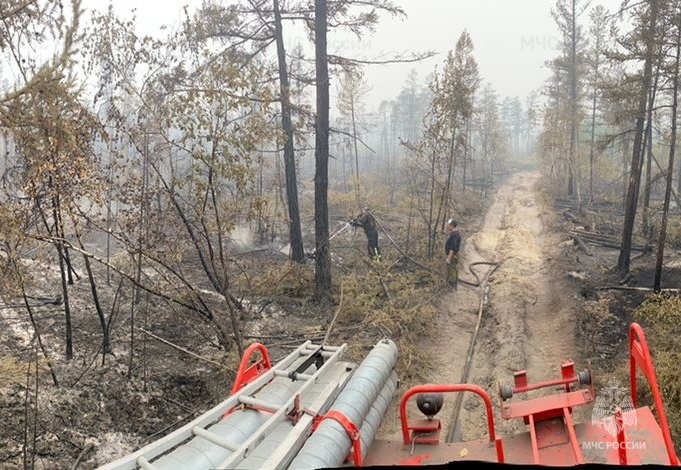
(636, 160)
(354, 141)
(594, 102)
(63, 269)
(106, 345)
(38, 337)
(465, 152)
(321, 179)
(626, 144)
(59, 231)
(295, 232)
(67, 305)
(670, 169)
(573, 182)
(451, 165)
(432, 224)
(648, 151)
(591, 150)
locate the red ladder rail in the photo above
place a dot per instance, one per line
(640, 357)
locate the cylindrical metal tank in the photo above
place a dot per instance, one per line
(329, 444)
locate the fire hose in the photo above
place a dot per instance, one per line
(332, 236)
(484, 300)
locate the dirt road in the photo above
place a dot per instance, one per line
(527, 322)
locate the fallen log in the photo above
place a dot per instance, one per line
(571, 217)
(604, 240)
(582, 245)
(592, 235)
(564, 206)
(638, 289)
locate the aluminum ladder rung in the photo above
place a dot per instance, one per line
(311, 345)
(259, 404)
(145, 464)
(214, 438)
(292, 375)
(325, 348)
(323, 352)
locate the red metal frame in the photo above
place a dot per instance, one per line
(350, 428)
(568, 377)
(407, 429)
(546, 407)
(536, 410)
(640, 357)
(248, 373)
(621, 448)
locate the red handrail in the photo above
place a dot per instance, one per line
(246, 374)
(640, 356)
(429, 388)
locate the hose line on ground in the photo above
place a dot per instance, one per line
(454, 421)
(477, 278)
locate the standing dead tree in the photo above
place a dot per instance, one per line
(676, 22)
(631, 202)
(321, 179)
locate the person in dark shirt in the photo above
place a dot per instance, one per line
(368, 223)
(452, 247)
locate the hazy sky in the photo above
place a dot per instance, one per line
(513, 39)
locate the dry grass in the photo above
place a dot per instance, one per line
(592, 321)
(13, 371)
(660, 315)
(379, 300)
(389, 304)
(281, 279)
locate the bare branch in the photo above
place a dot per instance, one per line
(398, 59)
(338, 131)
(17, 9)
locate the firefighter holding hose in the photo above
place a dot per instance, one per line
(452, 246)
(367, 221)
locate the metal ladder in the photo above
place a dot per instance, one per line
(278, 439)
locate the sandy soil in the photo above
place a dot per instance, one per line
(527, 322)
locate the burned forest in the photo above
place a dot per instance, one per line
(187, 188)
